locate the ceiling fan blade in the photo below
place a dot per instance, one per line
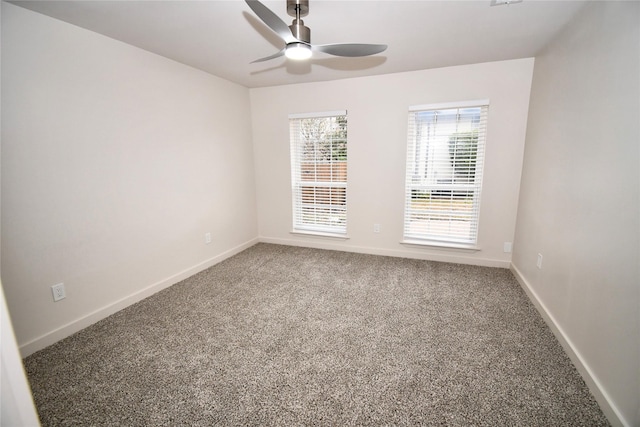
(266, 58)
(350, 49)
(272, 21)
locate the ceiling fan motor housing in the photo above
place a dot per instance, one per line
(300, 31)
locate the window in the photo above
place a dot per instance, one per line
(319, 172)
(445, 156)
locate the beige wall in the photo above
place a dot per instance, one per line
(377, 109)
(115, 162)
(579, 204)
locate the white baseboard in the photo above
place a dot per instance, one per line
(445, 255)
(606, 404)
(104, 312)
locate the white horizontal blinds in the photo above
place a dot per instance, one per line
(445, 157)
(319, 172)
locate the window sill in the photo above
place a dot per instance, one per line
(338, 236)
(444, 245)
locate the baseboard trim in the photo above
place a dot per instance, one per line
(77, 325)
(602, 397)
(450, 255)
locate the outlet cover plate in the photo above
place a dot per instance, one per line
(58, 292)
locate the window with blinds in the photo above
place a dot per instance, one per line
(319, 172)
(445, 156)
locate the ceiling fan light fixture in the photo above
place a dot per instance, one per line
(298, 51)
(297, 36)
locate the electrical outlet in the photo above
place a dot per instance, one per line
(539, 262)
(376, 228)
(58, 292)
(207, 238)
(508, 246)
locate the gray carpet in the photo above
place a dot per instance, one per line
(279, 335)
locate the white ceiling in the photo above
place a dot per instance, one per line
(222, 37)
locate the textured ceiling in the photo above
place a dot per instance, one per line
(223, 37)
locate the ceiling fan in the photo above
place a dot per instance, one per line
(297, 36)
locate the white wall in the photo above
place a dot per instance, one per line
(579, 204)
(377, 110)
(115, 162)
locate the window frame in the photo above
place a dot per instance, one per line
(455, 190)
(317, 228)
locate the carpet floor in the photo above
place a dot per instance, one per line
(280, 335)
